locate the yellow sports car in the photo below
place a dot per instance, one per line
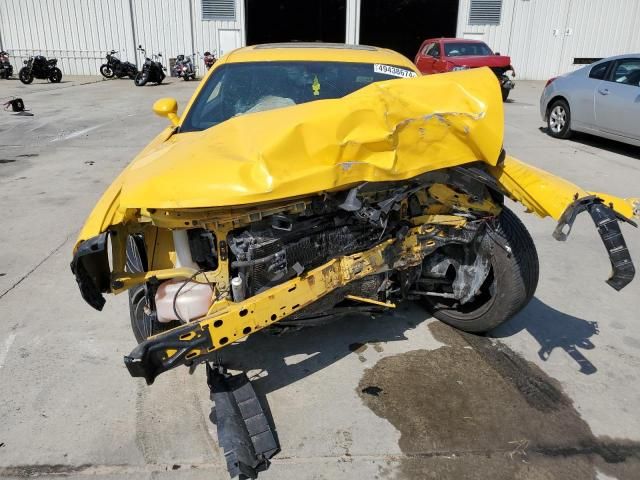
(305, 182)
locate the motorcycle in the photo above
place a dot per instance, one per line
(152, 69)
(184, 68)
(6, 69)
(39, 67)
(118, 68)
(209, 59)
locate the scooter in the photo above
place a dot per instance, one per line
(184, 68)
(152, 69)
(118, 68)
(41, 68)
(6, 69)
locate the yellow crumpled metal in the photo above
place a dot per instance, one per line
(391, 130)
(387, 131)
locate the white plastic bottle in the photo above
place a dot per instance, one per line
(194, 299)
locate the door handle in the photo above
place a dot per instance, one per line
(603, 91)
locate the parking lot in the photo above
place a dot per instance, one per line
(552, 394)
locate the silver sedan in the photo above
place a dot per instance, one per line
(601, 99)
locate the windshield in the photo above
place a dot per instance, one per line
(240, 88)
(466, 49)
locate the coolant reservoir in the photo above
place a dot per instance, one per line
(193, 299)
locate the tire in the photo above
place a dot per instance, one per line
(505, 94)
(510, 285)
(24, 76)
(106, 71)
(559, 119)
(141, 79)
(143, 324)
(55, 76)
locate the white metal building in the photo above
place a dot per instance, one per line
(543, 37)
(547, 37)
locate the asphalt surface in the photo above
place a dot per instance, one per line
(552, 394)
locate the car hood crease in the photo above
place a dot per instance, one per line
(387, 131)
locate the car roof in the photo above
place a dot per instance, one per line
(318, 52)
(453, 39)
(617, 57)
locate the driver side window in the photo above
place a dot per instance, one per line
(435, 50)
(426, 49)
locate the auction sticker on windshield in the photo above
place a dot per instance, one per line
(393, 71)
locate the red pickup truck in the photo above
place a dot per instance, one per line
(438, 55)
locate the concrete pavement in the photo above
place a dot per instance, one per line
(553, 394)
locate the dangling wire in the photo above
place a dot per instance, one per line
(175, 297)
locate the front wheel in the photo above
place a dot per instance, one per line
(55, 76)
(510, 285)
(144, 322)
(559, 119)
(106, 71)
(141, 79)
(25, 76)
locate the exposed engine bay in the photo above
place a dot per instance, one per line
(313, 259)
(445, 214)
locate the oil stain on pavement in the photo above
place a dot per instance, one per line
(474, 409)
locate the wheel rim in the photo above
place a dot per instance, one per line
(557, 119)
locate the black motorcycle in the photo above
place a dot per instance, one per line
(6, 70)
(41, 68)
(118, 68)
(152, 70)
(184, 68)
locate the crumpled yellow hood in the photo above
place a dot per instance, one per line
(391, 130)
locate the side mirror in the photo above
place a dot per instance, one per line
(168, 108)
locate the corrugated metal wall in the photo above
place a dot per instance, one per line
(76, 32)
(544, 36)
(80, 32)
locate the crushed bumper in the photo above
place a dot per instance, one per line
(90, 266)
(606, 221)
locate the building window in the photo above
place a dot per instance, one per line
(485, 12)
(218, 9)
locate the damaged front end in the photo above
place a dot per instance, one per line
(333, 208)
